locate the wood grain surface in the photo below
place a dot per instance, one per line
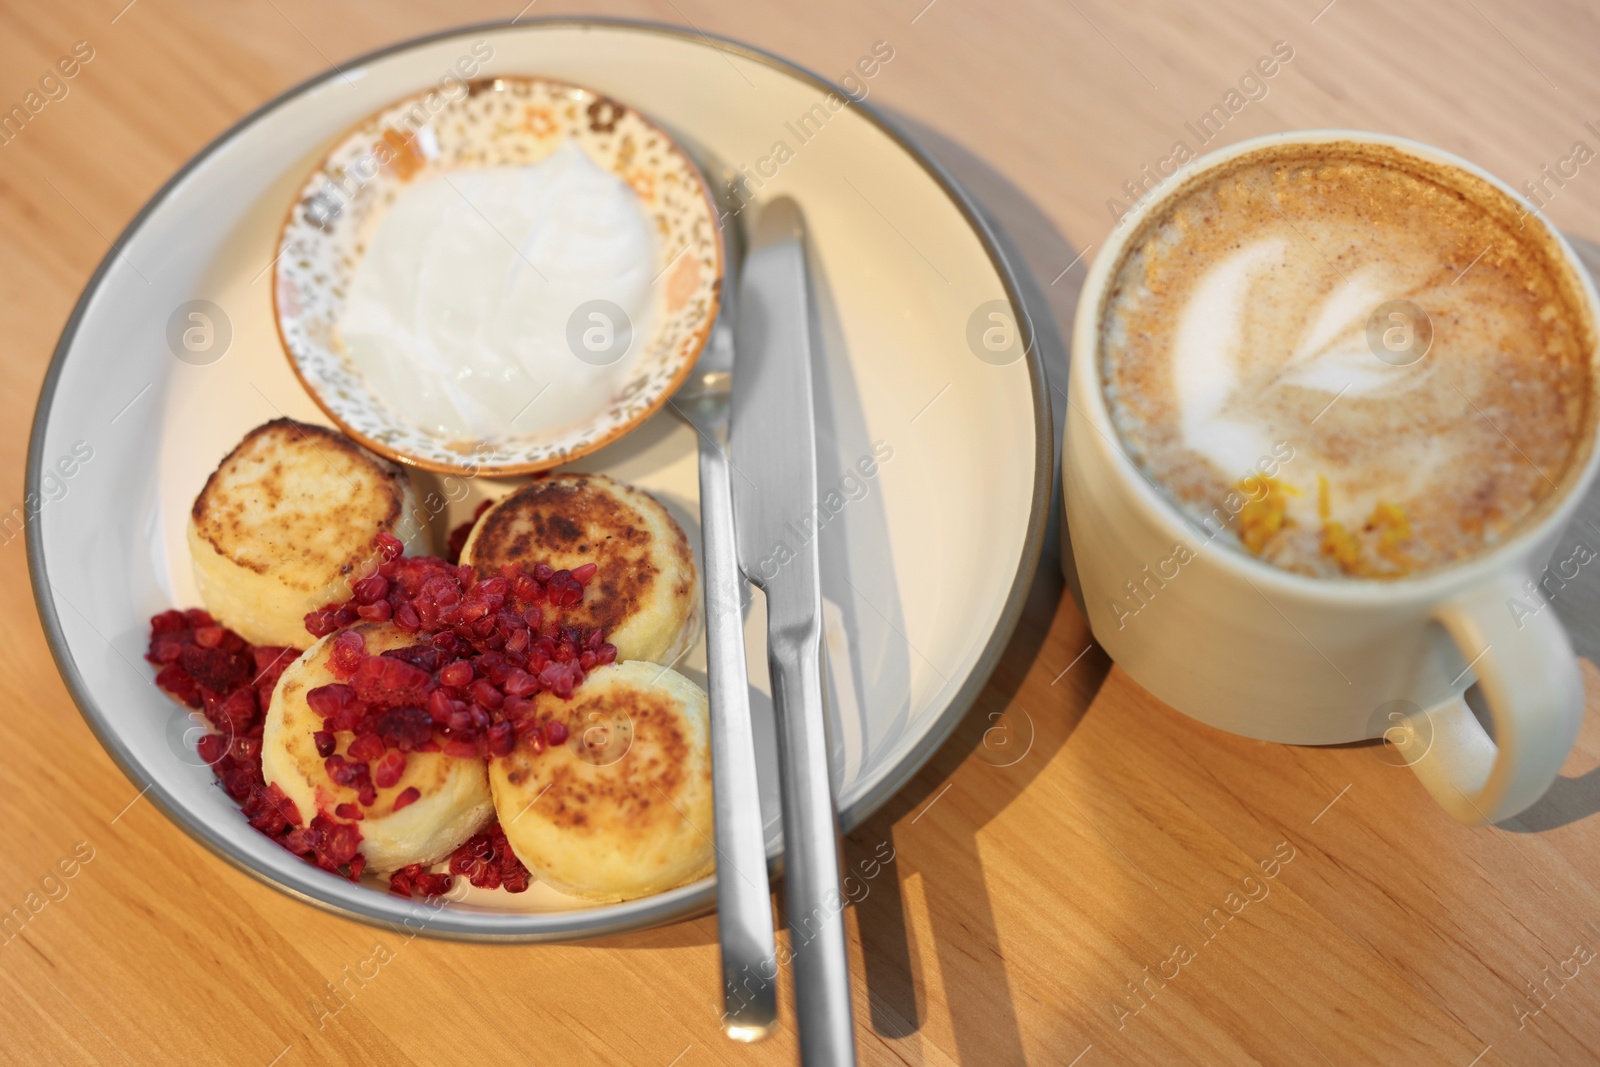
(1082, 876)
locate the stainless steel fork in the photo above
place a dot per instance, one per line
(744, 896)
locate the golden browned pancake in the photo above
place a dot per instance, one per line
(646, 593)
(622, 809)
(454, 801)
(287, 522)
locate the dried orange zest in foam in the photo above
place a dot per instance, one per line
(1261, 519)
(1387, 527)
(1341, 546)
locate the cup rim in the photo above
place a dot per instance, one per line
(1436, 584)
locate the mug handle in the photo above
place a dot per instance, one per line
(1532, 685)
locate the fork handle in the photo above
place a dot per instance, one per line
(744, 896)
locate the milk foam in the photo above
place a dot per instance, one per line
(1236, 333)
(1206, 351)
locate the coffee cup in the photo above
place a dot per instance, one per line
(1202, 621)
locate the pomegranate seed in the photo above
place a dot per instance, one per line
(345, 654)
(370, 589)
(404, 728)
(502, 739)
(325, 743)
(606, 653)
(406, 618)
(349, 811)
(237, 781)
(366, 748)
(321, 623)
(215, 668)
(427, 656)
(487, 861)
(340, 841)
(346, 719)
(176, 682)
(520, 684)
(167, 622)
(239, 712)
(484, 692)
(341, 770)
(389, 769)
(461, 749)
(326, 700)
(208, 636)
(390, 547)
(441, 707)
(379, 612)
(555, 733)
(543, 572)
(456, 674)
(585, 572)
(534, 738)
(211, 747)
(386, 679)
(407, 795)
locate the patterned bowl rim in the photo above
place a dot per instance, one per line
(700, 335)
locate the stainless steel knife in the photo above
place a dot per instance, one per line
(773, 448)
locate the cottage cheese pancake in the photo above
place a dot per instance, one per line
(1347, 360)
(646, 596)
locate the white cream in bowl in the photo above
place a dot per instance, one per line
(458, 313)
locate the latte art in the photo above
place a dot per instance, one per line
(1426, 361)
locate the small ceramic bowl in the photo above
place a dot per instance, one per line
(500, 121)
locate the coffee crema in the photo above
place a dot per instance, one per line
(1347, 360)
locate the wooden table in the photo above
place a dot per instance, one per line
(1049, 861)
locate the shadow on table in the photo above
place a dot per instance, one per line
(969, 956)
(1568, 800)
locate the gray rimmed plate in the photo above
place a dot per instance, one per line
(934, 431)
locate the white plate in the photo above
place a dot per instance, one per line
(925, 564)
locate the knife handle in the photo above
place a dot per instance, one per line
(812, 894)
(744, 896)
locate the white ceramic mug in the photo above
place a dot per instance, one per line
(1237, 643)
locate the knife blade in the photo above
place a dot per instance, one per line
(773, 446)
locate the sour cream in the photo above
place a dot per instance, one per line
(459, 315)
